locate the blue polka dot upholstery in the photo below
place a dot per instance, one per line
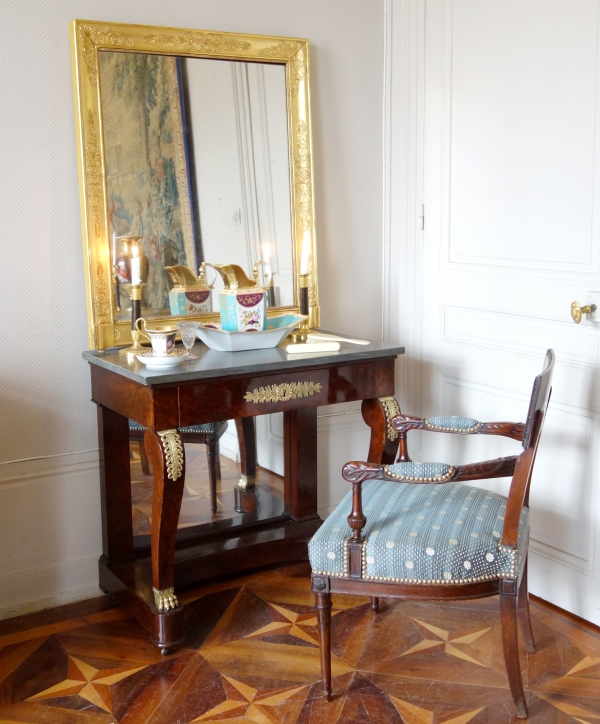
(420, 472)
(215, 428)
(447, 533)
(453, 424)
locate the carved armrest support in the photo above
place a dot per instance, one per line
(514, 430)
(498, 468)
(356, 472)
(403, 423)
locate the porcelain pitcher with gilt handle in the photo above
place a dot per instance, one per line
(242, 301)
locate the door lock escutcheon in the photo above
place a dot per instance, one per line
(577, 311)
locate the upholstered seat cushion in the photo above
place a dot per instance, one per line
(215, 428)
(447, 533)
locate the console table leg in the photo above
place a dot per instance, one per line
(300, 463)
(166, 453)
(115, 486)
(247, 441)
(377, 413)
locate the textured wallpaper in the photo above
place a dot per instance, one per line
(44, 383)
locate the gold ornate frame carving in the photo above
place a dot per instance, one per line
(90, 37)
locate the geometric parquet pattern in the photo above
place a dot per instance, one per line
(251, 656)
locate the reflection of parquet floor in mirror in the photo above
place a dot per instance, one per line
(195, 506)
(251, 656)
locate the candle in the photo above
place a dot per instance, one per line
(136, 277)
(305, 254)
(267, 252)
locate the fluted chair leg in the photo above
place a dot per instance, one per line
(324, 617)
(212, 455)
(523, 612)
(144, 458)
(375, 604)
(510, 641)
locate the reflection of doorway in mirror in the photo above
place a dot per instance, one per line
(237, 116)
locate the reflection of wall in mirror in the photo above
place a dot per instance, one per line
(238, 121)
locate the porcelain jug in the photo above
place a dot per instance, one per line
(190, 294)
(242, 301)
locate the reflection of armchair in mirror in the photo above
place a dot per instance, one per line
(204, 155)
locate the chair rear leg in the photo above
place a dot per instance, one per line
(144, 458)
(510, 641)
(323, 601)
(212, 454)
(524, 615)
(375, 604)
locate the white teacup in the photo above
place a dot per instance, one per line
(162, 340)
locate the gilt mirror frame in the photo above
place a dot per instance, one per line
(88, 38)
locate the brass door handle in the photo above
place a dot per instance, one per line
(577, 311)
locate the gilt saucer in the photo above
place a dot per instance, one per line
(155, 362)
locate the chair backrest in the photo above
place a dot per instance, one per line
(540, 396)
(519, 489)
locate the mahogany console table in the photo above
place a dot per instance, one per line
(220, 386)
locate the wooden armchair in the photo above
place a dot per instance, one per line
(426, 537)
(209, 434)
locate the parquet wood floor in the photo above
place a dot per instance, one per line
(251, 656)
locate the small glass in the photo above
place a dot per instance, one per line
(188, 336)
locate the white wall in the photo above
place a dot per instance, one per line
(49, 497)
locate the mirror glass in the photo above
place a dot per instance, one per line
(197, 169)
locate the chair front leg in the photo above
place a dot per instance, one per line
(510, 641)
(166, 453)
(323, 602)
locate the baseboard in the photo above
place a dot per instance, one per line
(51, 528)
(35, 590)
(577, 621)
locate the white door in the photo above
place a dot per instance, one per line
(512, 236)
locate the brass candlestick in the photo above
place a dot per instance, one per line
(116, 288)
(271, 292)
(136, 313)
(301, 333)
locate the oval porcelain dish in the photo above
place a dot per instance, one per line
(276, 329)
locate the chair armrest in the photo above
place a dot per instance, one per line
(356, 472)
(404, 423)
